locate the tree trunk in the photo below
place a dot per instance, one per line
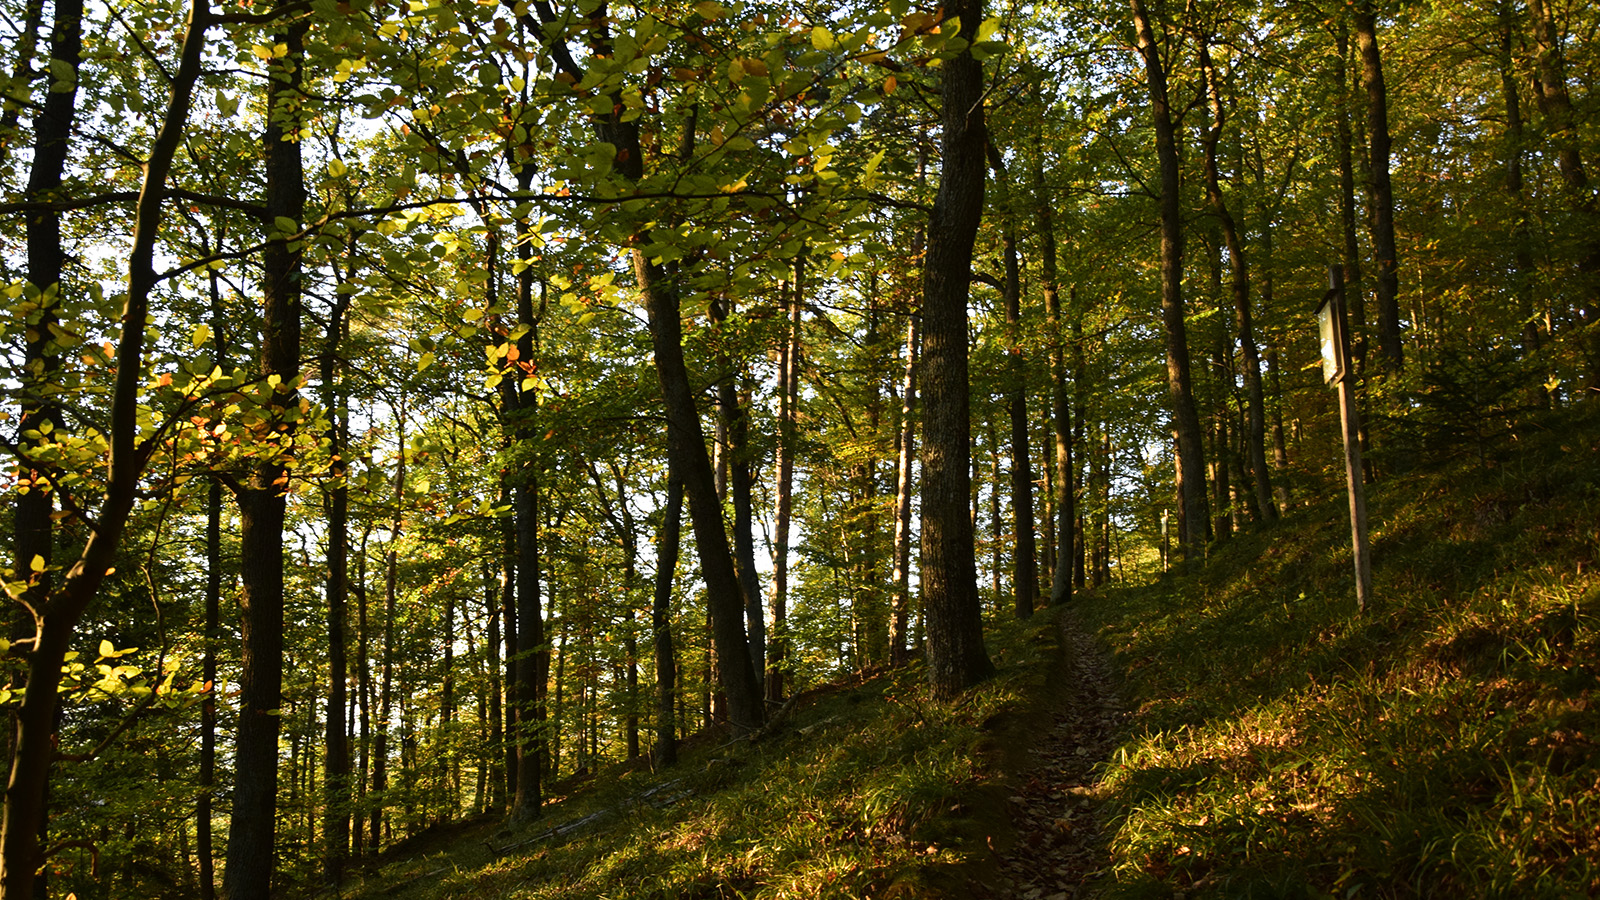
(900, 617)
(734, 424)
(1185, 421)
(686, 448)
(788, 396)
(956, 655)
(380, 748)
(336, 754)
(661, 622)
(263, 503)
(1255, 437)
(33, 536)
(1379, 190)
(1516, 140)
(533, 658)
(1556, 105)
(508, 616)
(1024, 560)
(1061, 401)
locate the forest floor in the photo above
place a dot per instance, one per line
(1059, 850)
(1236, 731)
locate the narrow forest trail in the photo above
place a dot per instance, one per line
(1059, 847)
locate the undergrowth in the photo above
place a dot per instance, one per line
(1442, 745)
(868, 789)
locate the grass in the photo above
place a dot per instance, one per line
(869, 789)
(1441, 745)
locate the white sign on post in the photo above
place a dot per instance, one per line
(1328, 330)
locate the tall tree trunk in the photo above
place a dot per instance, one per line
(263, 501)
(661, 621)
(1244, 325)
(956, 655)
(57, 616)
(1024, 560)
(1185, 421)
(1554, 100)
(336, 752)
(533, 658)
(32, 531)
(1379, 190)
(508, 616)
(364, 692)
(497, 736)
(734, 429)
(1061, 400)
(900, 616)
(1516, 140)
(1556, 105)
(448, 774)
(33, 536)
(686, 448)
(788, 397)
(391, 578)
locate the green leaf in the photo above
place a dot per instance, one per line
(822, 38)
(286, 225)
(202, 333)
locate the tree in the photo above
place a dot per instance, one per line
(956, 655)
(1185, 422)
(129, 448)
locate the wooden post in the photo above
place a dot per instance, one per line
(1336, 369)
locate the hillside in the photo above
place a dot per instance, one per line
(1276, 744)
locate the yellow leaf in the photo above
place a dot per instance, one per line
(107, 649)
(37, 564)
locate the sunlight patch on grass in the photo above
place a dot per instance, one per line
(1444, 745)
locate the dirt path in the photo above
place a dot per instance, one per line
(1060, 846)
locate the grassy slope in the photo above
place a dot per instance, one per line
(1282, 747)
(867, 789)
(1443, 745)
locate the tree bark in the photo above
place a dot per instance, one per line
(33, 532)
(1243, 318)
(1061, 400)
(1516, 140)
(58, 616)
(734, 423)
(900, 616)
(661, 622)
(788, 396)
(1180, 393)
(263, 502)
(533, 657)
(1024, 560)
(391, 577)
(336, 751)
(1379, 190)
(1556, 105)
(956, 655)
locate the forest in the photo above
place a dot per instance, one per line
(413, 409)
